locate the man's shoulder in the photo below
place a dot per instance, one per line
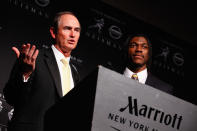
(45, 52)
(157, 80)
(158, 83)
(44, 49)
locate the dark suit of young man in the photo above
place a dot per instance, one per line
(159, 84)
(31, 99)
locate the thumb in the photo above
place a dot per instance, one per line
(17, 52)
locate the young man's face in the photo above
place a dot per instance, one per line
(138, 51)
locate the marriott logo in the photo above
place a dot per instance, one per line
(173, 120)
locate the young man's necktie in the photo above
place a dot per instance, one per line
(135, 77)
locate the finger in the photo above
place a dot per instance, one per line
(35, 55)
(25, 48)
(31, 51)
(17, 52)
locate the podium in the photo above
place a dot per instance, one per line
(108, 101)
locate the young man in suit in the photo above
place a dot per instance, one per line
(37, 78)
(139, 53)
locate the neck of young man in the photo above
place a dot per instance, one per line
(136, 68)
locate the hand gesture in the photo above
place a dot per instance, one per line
(27, 57)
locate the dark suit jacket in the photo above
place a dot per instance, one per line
(30, 100)
(159, 84)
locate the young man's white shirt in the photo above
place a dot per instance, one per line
(142, 76)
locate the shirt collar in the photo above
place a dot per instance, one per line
(58, 54)
(142, 75)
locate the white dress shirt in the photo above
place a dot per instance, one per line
(142, 76)
(58, 57)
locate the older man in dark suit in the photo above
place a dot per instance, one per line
(39, 78)
(138, 55)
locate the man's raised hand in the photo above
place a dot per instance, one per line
(27, 57)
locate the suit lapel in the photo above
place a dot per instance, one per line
(74, 72)
(53, 68)
(148, 80)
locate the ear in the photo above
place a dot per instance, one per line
(52, 31)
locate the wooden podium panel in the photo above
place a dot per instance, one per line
(107, 101)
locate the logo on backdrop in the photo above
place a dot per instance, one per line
(1, 96)
(169, 58)
(10, 114)
(27, 6)
(178, 59)
(98, 25)
(1, 105)
(115, 32)
(106, 29)
(164, 53)
(42, 3)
